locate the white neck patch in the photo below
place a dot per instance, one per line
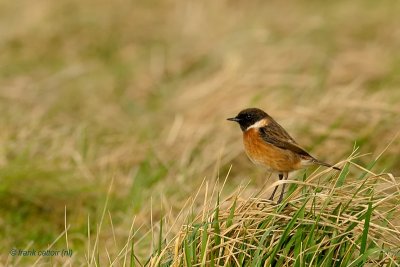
(258, 124)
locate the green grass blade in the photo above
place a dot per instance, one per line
(229, 220)
(193, 243)
(217, 230)
(212, 260)
(204, 239)
(298, 244)
(188, 253)
(367, 220)
(343, 174)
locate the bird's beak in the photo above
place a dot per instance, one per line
(233, 119)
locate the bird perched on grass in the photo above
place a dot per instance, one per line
(266, 143)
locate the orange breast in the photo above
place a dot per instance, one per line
(270, 156)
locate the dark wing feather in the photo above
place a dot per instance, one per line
(274, 134)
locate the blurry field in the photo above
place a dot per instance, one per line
(136, 93)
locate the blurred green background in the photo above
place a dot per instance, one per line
(138, 92)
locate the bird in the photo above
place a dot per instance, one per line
(267, 143)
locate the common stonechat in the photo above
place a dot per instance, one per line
(266, 143)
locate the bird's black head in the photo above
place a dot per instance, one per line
(248, 117)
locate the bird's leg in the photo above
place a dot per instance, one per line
(283, 188)
(276, 187)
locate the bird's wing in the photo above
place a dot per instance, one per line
(274, 134)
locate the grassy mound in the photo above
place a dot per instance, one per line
(328, 219)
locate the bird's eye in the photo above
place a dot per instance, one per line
(248, 117)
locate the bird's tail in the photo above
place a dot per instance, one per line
(326, 165)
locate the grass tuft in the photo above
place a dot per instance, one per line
(344, 224)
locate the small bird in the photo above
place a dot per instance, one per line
(266, 143)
